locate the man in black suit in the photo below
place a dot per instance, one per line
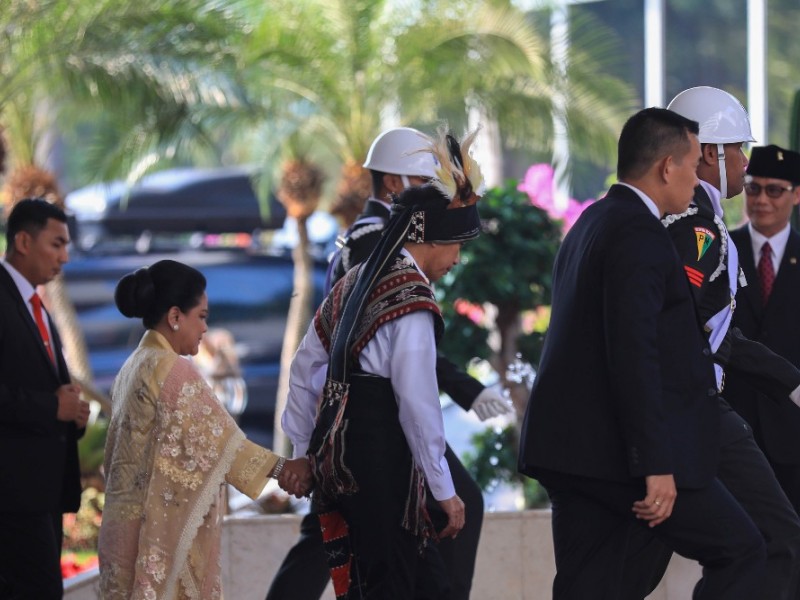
(622, 425)
(41, 413)
(767, 308)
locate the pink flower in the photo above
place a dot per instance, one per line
(473, 312)
(536, 320)
(538, 184)
(573, 211)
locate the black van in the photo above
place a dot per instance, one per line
(180, 200)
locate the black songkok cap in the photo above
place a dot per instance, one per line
(775, 162)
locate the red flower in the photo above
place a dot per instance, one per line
(71, 565)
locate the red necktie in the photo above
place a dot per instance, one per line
(766, 272)
(36, 302)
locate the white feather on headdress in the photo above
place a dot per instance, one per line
(459, 175)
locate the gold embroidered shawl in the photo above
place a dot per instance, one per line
(170, 447)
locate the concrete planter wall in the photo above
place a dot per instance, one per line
(515, 560)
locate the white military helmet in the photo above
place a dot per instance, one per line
(401, 151)
(722, 118)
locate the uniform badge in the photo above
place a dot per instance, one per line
(704, 240)
(695, 276)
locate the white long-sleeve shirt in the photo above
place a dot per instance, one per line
(402, 350)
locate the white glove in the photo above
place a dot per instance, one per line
(490, 403)
(795, 396)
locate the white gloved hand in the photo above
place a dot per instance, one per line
(490, 403)
(795, 396)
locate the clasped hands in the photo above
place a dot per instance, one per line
(296, 477)
(70, 405)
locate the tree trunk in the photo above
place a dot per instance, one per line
(297, 321)
(355, 186)
(76, 352)
(488, 146)
(509, 327)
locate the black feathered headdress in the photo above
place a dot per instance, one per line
(442, 211)
(445, 210)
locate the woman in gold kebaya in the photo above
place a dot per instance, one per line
(170, 448)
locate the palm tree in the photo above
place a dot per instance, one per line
(299, 191)
(185, 80)
(142, 63)
(345, 65)
(32, 182)
(337, 69)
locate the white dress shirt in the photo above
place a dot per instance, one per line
(402, 350)
(648, 202)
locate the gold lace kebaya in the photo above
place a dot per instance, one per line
(170, 448)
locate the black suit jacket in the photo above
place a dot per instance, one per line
(360, 238)
(625, 387)
(775, 421)
(39, 469)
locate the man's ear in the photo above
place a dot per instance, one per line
(393, 183)
(22, 242)
(665, 168)
(708, 154)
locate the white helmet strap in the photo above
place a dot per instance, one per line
(406, 182)
(723, 173)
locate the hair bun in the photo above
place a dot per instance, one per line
(135, 293)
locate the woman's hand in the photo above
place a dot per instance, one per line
(296, 478)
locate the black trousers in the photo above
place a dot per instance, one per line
(30, 556)
(789, 478)
(745, 472)
(593, 527)
(377, 454)
(303, 574)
